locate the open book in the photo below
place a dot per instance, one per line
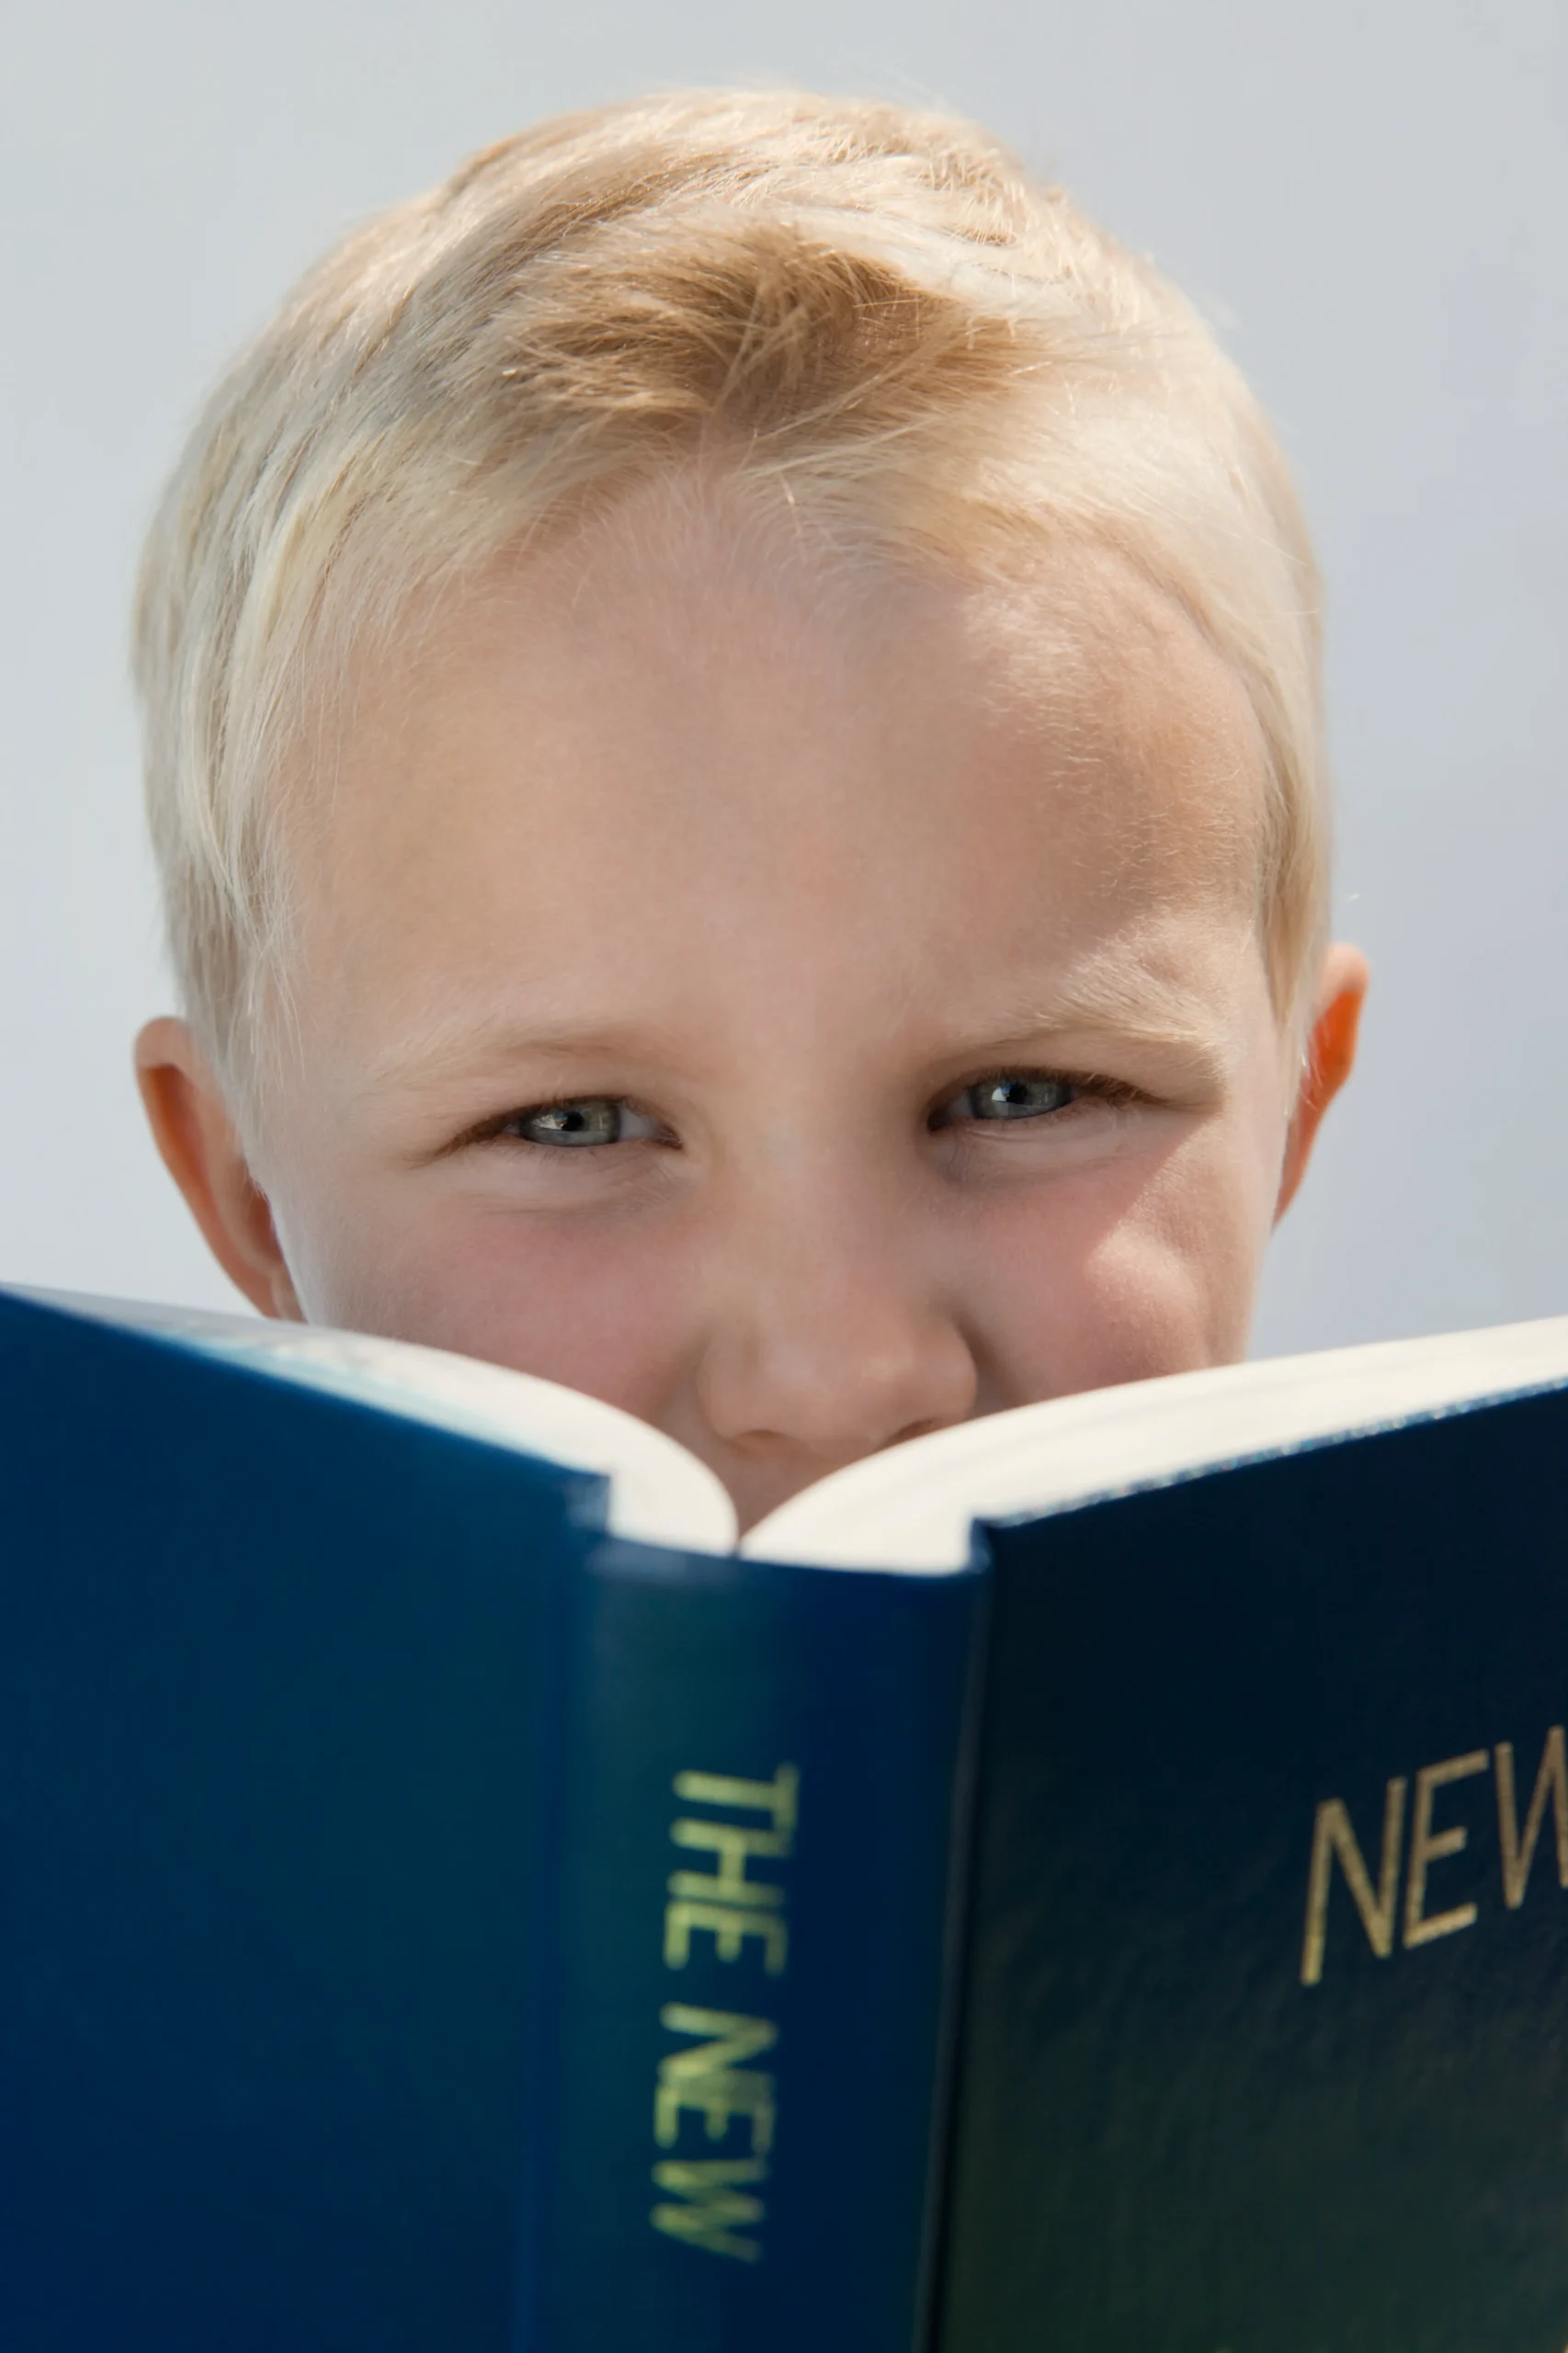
(452, 1895)
(913, 1506)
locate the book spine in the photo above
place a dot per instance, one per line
(757, 1801)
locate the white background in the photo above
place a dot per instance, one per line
(1370, 196)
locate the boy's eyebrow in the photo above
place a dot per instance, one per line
(1107, 999)
(465, 1046)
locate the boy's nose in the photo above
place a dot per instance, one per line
(826, 1341)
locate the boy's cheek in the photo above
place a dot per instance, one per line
(1142, 1306)
(1153, 1270)
(1182, 1275)
(554, 1299)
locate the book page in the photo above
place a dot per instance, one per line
(913, 1506)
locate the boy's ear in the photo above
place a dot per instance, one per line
(1331, 1052)
(202, 1152)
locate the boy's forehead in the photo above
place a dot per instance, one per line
(682, 577)
(680, 708)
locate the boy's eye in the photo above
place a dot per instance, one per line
(587, 1120)
(1017, 1098)
(1009, 1095)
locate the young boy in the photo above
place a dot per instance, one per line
(733, 741)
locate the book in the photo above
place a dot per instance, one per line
(1096, 1877)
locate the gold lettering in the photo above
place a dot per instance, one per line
(734, 1847)
(1332, 1836)
(725, 1903)
(779, 1798)
(711, 2081)
(729, 1928)
(1518, 1853)
(1426, 1849)
(717, 2209)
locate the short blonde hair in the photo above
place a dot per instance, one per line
(878, 314)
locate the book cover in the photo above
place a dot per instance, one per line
(430, 1920)
(439, 1906)
(1266, 2043)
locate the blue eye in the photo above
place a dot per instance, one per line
(593, 1119)
(1015, 1096)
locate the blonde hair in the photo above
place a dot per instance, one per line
(879, 316)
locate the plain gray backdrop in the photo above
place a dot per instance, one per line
(1370, 199)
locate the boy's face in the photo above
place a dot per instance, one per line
(803, 1007)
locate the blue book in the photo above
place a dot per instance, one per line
(1096, 1878)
